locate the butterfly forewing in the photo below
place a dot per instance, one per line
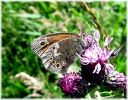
(57, 51)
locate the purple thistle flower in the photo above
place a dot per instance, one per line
(114, 79)
(73, 85)
(94, 54)
(94, 58)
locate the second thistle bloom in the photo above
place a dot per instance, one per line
(73, 85)
(114, 79)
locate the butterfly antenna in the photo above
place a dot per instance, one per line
(81, 28)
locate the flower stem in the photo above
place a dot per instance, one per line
(92, 92)
(96, 23)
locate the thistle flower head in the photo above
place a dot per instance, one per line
(114, 79)
(94, 54)
(73, 85)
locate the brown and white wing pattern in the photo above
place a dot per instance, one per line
(57, 51)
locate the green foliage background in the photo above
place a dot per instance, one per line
(43, 17)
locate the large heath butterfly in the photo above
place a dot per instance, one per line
(57, 51)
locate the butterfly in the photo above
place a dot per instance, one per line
(58, 51)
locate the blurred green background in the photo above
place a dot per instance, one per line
(24, 21)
